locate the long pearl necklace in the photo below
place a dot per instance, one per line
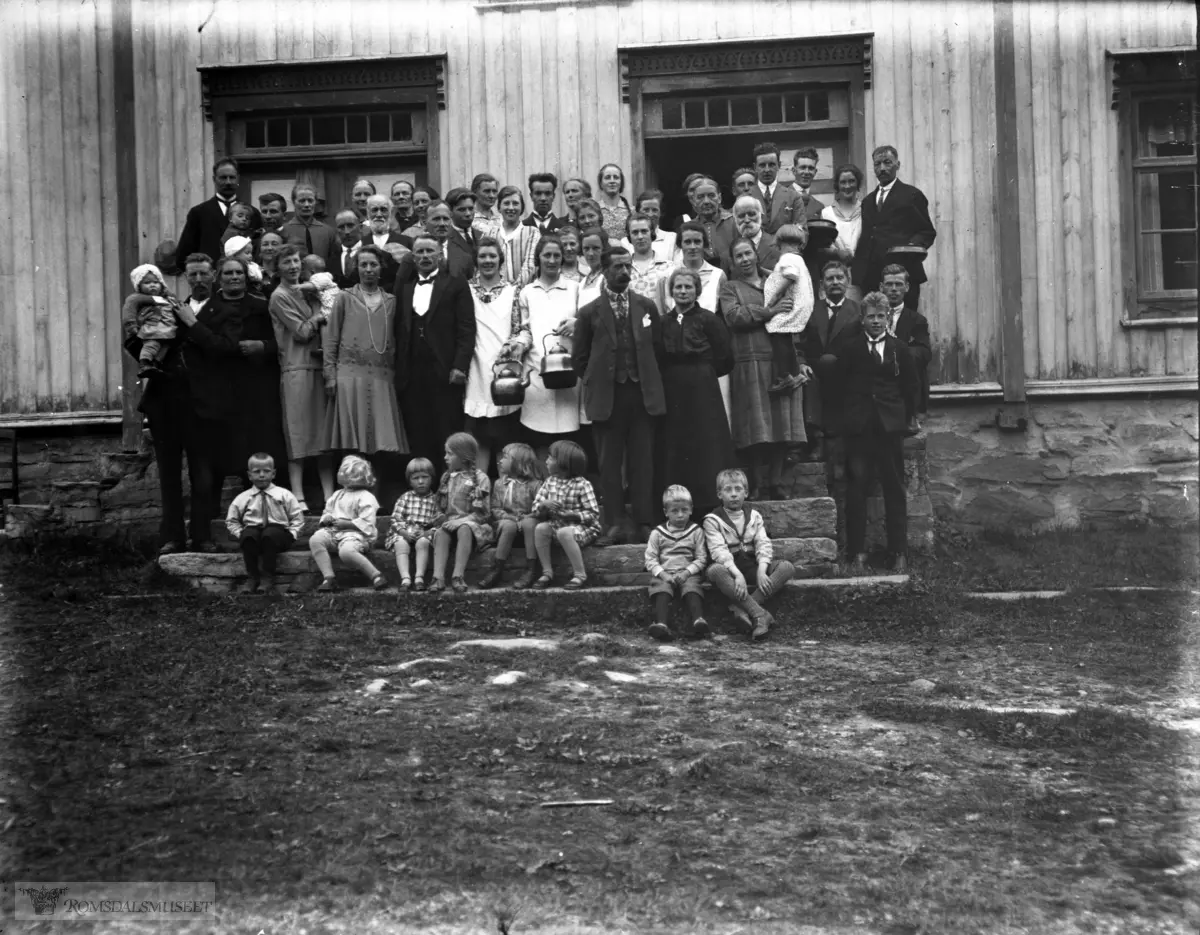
(377, 297)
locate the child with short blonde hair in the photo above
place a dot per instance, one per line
(348, 525)
(676, 555)
(565, 509)
(790, 276)
(265, 520)
(741, 551)
(464, 495)
(521, 476)
(413, 521)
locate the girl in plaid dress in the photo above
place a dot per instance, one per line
(521, 476)
(413, 521)
(465, 495)
(564, 509)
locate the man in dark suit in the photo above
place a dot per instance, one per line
(542, 188)
(206, 222)
(909, 325)
(306, 231)
(833, 315)
(344, 265)
(780, 202)
(462, 216)
(879, 384)
(435, 341)
(895, 214)
(455, 258)
(617, 346)
(804, 170)
(190, 408)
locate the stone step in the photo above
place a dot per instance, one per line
(812, 517)
(613, 565)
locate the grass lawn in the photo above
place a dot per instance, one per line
(1045, 778)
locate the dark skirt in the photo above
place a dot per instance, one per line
(696, 443)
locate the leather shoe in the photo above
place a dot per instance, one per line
(170, 548)
(900, 565)
(207, 546)
(858, 565)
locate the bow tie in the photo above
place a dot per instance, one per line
(422, 281)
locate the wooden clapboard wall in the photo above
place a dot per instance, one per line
(536, 86)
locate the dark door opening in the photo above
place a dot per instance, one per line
(333, 177)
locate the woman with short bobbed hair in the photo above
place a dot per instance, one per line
(846, 210)
(593, 242)
(696, 354)
(517, 239)
(423, 196)
(614, 209)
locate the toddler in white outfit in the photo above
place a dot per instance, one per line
(790, 277)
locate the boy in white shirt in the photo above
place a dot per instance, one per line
(265, 521)
(675, 556)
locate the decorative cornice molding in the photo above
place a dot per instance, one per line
(764, 55)
(329, 75)
(1149, 67)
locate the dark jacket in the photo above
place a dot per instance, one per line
(913, 329)
(449, 326)
(460, 263)
(555, 221)
(871, 388)
(594, 354)
(202, 232)
(786, 207)
(386, 275)
(726, 234)
(904, 220)
(822, 398)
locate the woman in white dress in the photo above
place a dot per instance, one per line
(517, 239)
(547, 320)
(496, 321)
(846, 210)
(693, 243)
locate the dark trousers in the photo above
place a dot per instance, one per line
(627, 438)
(261, 546)
(432, 410)
(876, 453)
(176, 431)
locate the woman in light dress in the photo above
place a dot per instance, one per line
(846, 210)
(517, 239)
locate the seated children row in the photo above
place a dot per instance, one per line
(731, 548)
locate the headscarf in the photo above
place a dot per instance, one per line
(356, 472)
(234, 244)
(141, 272)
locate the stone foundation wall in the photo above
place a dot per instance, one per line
(1090, 462)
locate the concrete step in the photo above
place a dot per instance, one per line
(807, 518)
(218, 572)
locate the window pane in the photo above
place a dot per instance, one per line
(301, 131)
(718, 112)
(402, 126)
(1167, 200)
(745, 111)
(1165, 126)
(277, 132)
(380, 128)
(772, 109)
(794, 111)
(256, 134)
(1168, 262)
(328, 131)
(672, 115)
(818, 105)
(356, 128)
(693, 114)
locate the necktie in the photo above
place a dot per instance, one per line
(893, 317)
(767, 194)
(262, 508)
(620, 307)
(308, 239)
(879, 199)
(877, 348)
(226, 205)
(346, 251)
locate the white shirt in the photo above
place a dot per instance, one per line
(875, 345)
(225, 205)
(767, 191)
(197, 305)
(423, 293)
(894, 317)
(381, 239)
(884, 191)
(348, 253)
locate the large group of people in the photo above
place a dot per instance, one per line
(428, 335)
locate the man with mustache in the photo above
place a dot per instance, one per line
(747, 221)
(206, 222)
(380, 234)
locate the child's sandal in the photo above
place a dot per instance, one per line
(577, 582)
(542, 583)
(458, 585)
(379, 582)
(406, 584)
(420, 585)
(436, 585)
(327, 585)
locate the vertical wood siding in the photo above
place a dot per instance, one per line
(537, 87)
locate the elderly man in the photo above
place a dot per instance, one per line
(272, 207)
(305, 231)
(379, 233)
(455, 258)
(617, 344)
(191, 405)
(206, 222)
(895, 214)
(435, 341)
(747, 222)
(542, 188)
(781, 204)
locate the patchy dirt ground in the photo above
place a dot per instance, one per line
(916, 763)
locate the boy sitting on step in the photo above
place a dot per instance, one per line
(741, 551)
(265, 520)
(676, 555)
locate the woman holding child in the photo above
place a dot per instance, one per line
(359, 364)
(767, 425)
(297, 318)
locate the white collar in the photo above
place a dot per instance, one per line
(887, 189)
(767, 189)
(895, 312)
(432, 275)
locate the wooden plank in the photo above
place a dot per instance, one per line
(883, 90)
(590, 157)
(1008, 206)
(227, 22)
(903, 68)
(1094, 317)
(985, 236)
(9, 90)
(369, 27)
(1076, 320)
(73, 317)
(92, 366)
(545, 150)
(262, 25)
(568, 98)
(184, 113)
(1144, 351)
(125, 103)
(523, 41)
(1026, 185)
(1048, 192)
(285, 30)
(1099, 216)
(944, 310)
(609, 110)
(955, 328)
(110, 283)
(304, 44)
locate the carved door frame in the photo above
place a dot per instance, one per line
(843, 59)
